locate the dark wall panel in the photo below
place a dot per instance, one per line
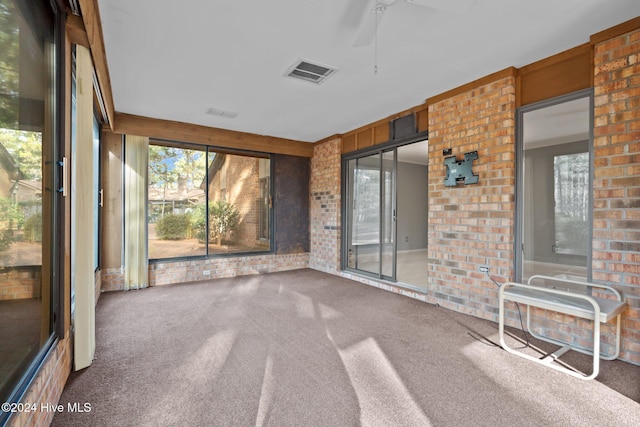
(291, 204)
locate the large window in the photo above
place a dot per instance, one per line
(27, 191)
(207, 202)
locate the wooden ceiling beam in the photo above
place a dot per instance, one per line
(185, 132)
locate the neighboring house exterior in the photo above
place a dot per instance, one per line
(244, 182)
(9, 173)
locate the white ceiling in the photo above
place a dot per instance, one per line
(175, 60)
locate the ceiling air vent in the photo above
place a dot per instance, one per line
(222, 113)
(310, 71)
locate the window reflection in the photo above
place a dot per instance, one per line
(554, 191)
(26, 202)
(203, 202)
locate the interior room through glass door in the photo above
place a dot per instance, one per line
(385, 217)
(388, 214)
(363, 213)
(555, 190)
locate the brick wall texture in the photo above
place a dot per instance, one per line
(20, 283)
(166, 273)
(472, 225)
(324, 206)
(616, 228)
(243, 190)
(46, 387)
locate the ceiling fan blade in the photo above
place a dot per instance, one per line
(452, 6)
(368, 27)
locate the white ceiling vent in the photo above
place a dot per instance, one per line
(310, 71)
(222, 113)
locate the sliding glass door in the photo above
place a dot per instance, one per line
(388, 215)
(385, 213)
(371, 214)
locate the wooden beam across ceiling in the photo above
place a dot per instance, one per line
(186, 132)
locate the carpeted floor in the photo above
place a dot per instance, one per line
(305, 348)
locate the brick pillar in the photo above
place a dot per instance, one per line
(325, 206)
(616, 228)
(472, 225)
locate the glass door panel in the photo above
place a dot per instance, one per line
(364, 212)
(28, 205)
(388, 214)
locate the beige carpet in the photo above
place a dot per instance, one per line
(305, 348)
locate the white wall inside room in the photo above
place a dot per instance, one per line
(412, 206)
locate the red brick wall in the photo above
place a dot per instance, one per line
(616, 228)
(166, 273)
(46, 387)
(20, 283)
(324, 206)
(243, 190)
(472, 225)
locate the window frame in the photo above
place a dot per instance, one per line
(208, 149)
(346, 221)
(519, 169)
(57, 113)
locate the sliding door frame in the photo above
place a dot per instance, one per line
(381, 149)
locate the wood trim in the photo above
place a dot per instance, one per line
(93, 27)
(349, 143)
(185, 132)
(566, 72)
(581, 50)
(380, 133)
(618, 30)
(507, 72)
(75, 30)
(364, 138)
(329, 138)
(377, 132)
(112, 185)
(417, 109)
(422, 120)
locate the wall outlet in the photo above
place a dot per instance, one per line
(483, 268)
(406, 239)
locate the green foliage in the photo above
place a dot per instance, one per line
(198, 222)
(167, 164)
(9, 64)
(170, 168)
(26, 149)
(6, 239)
(223, 219)
(33, 228)
(173, 227)
(11, 219)
(162, 173)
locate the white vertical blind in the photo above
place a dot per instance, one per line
(83, 200)
(136, 258)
